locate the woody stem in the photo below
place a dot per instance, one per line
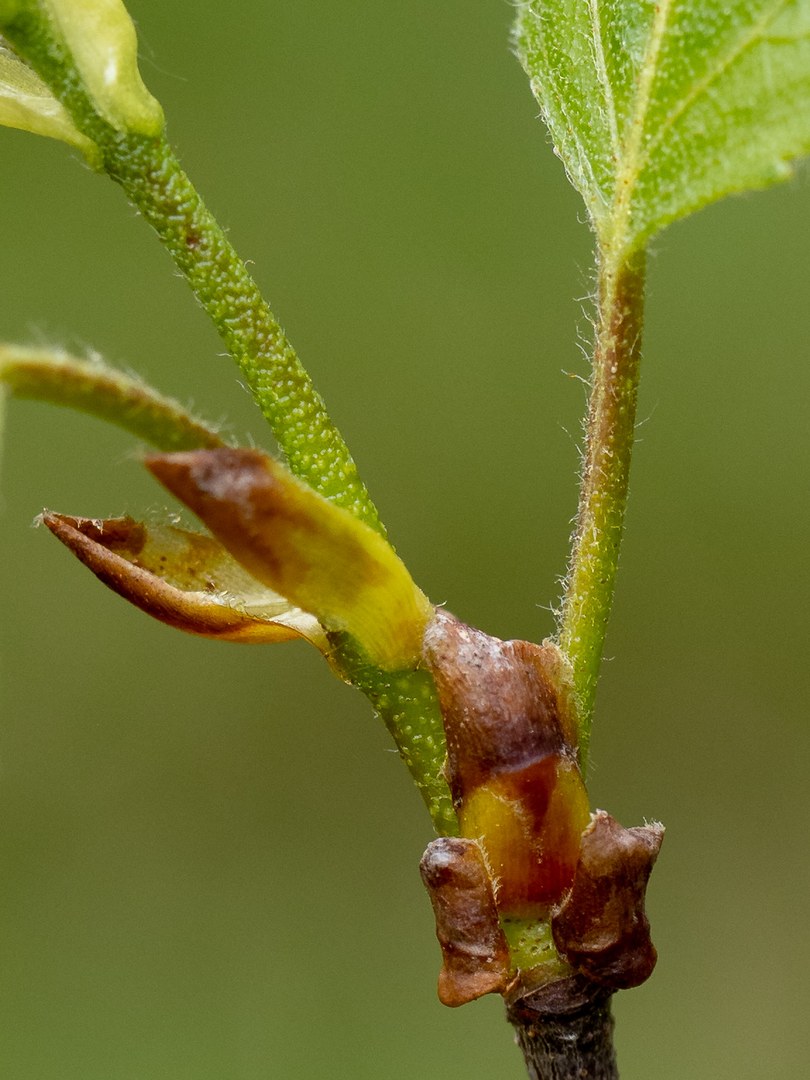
(565, 1031)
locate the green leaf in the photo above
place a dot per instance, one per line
(658, 108)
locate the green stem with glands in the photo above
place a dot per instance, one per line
(153, 180)
(151, 176)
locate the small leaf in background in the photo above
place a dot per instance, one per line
(658, 108)
(94, 387)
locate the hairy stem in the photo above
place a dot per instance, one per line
(565, 1031)
(92, 387)
(603, 495)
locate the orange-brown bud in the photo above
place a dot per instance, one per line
(511, 760)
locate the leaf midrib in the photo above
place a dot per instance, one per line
(628, 164)
(600, 61)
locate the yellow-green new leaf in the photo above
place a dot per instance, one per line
(318, 555)
(27, 103)
(658, 107)
(184, 579)
(91, 43)
(101, 38)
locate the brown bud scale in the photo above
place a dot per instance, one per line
(475, 953)
(601, 927)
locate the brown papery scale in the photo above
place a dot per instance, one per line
(601, 927)
(511, 760)
(475, 953)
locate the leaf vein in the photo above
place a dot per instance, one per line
(699, 88)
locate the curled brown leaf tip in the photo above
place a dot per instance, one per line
(475, 953)
(601, 927)
(182, 578)
(122, 534)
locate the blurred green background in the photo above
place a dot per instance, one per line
(209, 852)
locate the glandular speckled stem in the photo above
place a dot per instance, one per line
(153, 180)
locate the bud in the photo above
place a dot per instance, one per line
(475, 954)
(511, 760)
(601, 927)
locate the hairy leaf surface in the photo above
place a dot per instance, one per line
(658, 108)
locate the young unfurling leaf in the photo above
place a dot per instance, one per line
(316, 554)
(285, 562)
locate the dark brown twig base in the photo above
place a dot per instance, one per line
(565, 1031)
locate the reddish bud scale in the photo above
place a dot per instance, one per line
(601, 927)
(319, 556)
(475, 954)
(512, 765)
